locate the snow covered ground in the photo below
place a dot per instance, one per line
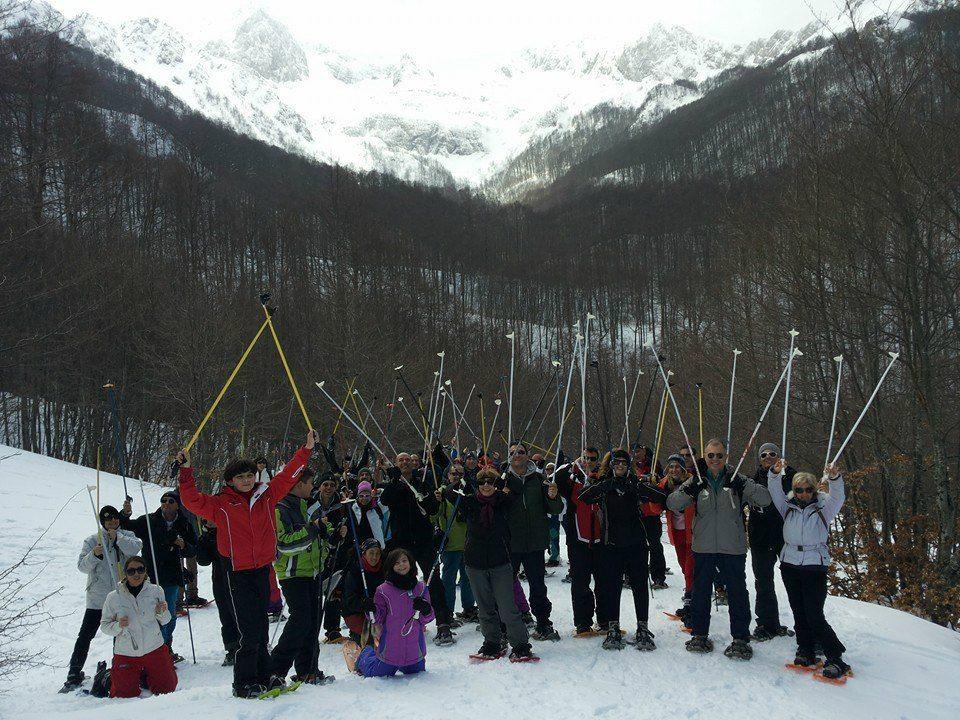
(905, 667)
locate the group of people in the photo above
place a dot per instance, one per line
(383, 549)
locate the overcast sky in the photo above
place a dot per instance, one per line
(438, 27)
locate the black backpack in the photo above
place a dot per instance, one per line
(101, 681)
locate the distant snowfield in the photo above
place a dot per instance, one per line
(905, 667)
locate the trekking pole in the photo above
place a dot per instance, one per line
(463, 411)
(700, 411)
(555, 438)
(436, 405)
(603, 405)
(893, 359)
(661, 424)
(363, 575)
(733, 379)
(512, 336)
(347, 416)
(483, 426)
(264, 299)
(373, 417)
(412, 421)
(543, 395)
(443, 540)
(186, 607)
(646, 407)
(114, 570)
(626, 416)
(566, 399)
(118, 448)
(226, 385)
(346, 397)
(633, 396)
(836, 406)
(546, 413)
(786, 399)
(423, 415)
(286, 433)
(583, 383)
(498, 402)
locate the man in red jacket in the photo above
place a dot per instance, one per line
(243, 511)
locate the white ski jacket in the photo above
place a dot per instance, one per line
(806, 529)
(142, 635)
(102, 574)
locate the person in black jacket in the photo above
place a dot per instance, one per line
(412, 502)
(207, 554)
(358, 589)
(331, 509)
(765, 533)
(173, 539)
(486, 555)
(624, 544)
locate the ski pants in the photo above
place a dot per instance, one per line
(275, 604)
(158, 666)
(298, 645)
(221, 596)
(731, 571)
(249, 594)
(765, 604)
(533, 565)
(807, 591)
(554, 549)
(658, 563)
(496, 603)
(369, 665)
(88, 631)
(681, 544)
(584, 563)
(452, 567)
(171, 593)
(615, 562)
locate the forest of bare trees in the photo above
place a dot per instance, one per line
(136, 237)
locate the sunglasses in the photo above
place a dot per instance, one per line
(620, 461)
(768, 454)
(715, 456)
(685, 454)
(591, 458)
(166, 501)
(519, 452)
(486, 481)
(803, 491)
(131, 571)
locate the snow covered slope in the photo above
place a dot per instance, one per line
(439, 123)
(906, 667)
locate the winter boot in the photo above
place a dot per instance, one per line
(699, 644)
(835, 669)
(469, 615)
(276, 683)
(523, 653)
(444, 636)
(660, 585)
(333, 638)
(546, 631)
(74, 680)
(314, 678)
(614, 639)
(491, 650)
(567, 578)
(528, 620)
(805, 659)
(643, 640)
(739, 650)
(249, 692)
(762, 634)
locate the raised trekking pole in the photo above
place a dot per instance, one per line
(349, 419)
(513, 345)
(756, 429)
(626, 410)
(836, 406)
(786, 399)
(114, 567)
(566, 399)
(673, 400)
(264, 299)
(412, 421)
(633, 396)
(415, 396)
(585, 348)
(345, 398)
(873, 395)
(733, 380)
(603, 405)
(700, 411)
(118, 445)
(646, 405)
(483, 426)
(536, 409)
(363, 576)
(373, 417)
(660, 425)
(498, 402)
(436, 405)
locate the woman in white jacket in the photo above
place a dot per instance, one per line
(133, 614)
(805, 560)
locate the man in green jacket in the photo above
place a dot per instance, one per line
(528, 518)
(452, 557)
(301, 547)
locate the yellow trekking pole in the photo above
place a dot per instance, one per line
(223, 390)
(483, 425)
(700, 412)
(264, 299)
(663, 421)
(343, 404)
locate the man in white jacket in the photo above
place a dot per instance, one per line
(133, 614)
(101, 558)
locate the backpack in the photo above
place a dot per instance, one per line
(101, 681)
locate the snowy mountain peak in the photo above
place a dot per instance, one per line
(154, 39)
(267, 47)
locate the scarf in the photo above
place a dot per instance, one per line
(371, 569)
(487, 505)
(405, 582)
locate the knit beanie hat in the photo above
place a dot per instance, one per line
(108, 512)
(769, 447)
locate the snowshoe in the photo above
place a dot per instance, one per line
(834, 672)
(739, 650)
(761, 634)
(351, 651)
(275, 692)
(470, 615)
(673, 616)
(73, 682)
(455, 623)
(334, 639)
(643, 640)
(587, 632)
(805, 662)
(177, 657)
(489, 651)
(699, 644)
(317, 678)
(613, 640)
(523, 653)
(196, 602)
(659, 585)
(528, 620)
(444, 636)
(249, 692)
(546, 631)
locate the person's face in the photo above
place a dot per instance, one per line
(136, 573)
(365, 498)
(303, 489)
(404, 462)
(687, 458)
(416, 461)
(244, 482)
(169, 507)
(471, 463)
(590, 459)
(767, 459)
(518, 457)
(620, 467)
(402, 565)
(261, 466)
(716, 457)
(487, 486)
(496, 455)
(327, 489)
(112, 524)
(455, 475)
(372, 554)
(804, 491)
(676, 471)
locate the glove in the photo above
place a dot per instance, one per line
(368, 605)
(691, 488)
(737, 484)
(422, 606)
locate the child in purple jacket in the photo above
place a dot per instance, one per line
(402, 611)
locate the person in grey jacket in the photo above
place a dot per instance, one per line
(805, 560)
(133, 614)
(102, 556)
(719, 546)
